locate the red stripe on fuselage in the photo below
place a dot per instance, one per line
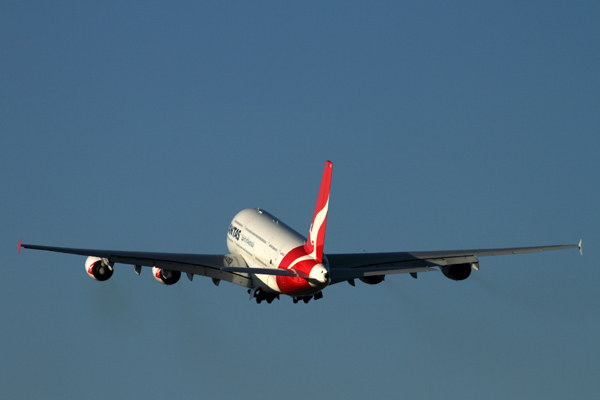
(292, 285)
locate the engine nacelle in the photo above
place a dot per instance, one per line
(99, 268)
(165, 276)
(373, 279)
(457, 272)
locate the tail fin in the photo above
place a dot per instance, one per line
(316, 235)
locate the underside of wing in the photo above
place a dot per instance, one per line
(226, 267)
(350, 266)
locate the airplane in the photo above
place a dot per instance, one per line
(270, 259)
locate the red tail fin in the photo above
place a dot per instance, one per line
(316, 235)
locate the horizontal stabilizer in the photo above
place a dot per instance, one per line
(267, 271)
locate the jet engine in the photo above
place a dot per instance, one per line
(165, 276)
(457, 272)
(373, 279)
(99, 268)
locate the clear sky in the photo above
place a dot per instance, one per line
(148, 126)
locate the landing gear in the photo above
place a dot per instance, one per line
(259, 295)
(306, 299)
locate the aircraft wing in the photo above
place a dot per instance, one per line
(227, 267)
(344, 267)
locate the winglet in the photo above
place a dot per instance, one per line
(316, 235)
(579, 245)
(21, 241)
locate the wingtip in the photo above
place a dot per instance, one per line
(21, 241)
(579, 245)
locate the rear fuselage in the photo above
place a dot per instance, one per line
(265, 242)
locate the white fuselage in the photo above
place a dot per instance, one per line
(265, 242)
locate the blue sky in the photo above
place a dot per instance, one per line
(149, 126)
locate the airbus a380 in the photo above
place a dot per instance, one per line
(270, 258)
